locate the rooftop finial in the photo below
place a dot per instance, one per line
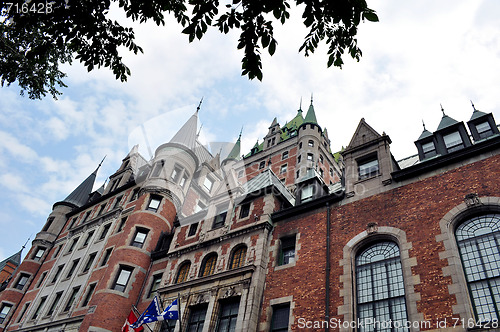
(442, 109)
(239, 137)
(24, 246)
(473, 106)
(311, 98)
(199, 105)
(99, 166)
(300, 105)
(423, 124)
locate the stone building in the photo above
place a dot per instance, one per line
(285, 237)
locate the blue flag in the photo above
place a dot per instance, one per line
(172, 311)
(152, 314)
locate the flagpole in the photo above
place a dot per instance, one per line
(179, 310)
(137, 311)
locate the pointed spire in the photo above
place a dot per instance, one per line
(199, 105)
(188, 133)
(446, 121)
(80, 195)
(425, 132)
(100, 164)
(311, 115)
(235, 151)
(476, 114)
(300, 105)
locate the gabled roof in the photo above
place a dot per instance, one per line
(446, 122)
(477, 114)
(425, 134)
(364, 133)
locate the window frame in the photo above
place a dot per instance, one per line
(200, 310)
(122, 270)
(238, 257)
(231, 304)
(155, 284)
(220, 218)
(209, 264)
(156, 199)
(364, 163)
(71, 298)
(245, 210)
(88, 296)
(137, 243)
(37, 257)
(287, 245)
(284, 155)
(22, 281)
(3, 315)
(183, 272)
(286, 306)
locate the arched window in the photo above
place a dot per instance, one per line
(238, 257)
(380, 291)
(478, 241)
(183, 272)
(208, 266)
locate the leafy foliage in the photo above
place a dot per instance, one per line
(37, 37)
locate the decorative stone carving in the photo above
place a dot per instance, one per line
(472, 199)
(372, 227)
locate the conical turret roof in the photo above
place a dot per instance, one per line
(80, 195)
(235, 151)
(187, 134)
(311, 115)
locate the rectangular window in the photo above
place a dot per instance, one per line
(117, 202)
(284, 155)
(73, 245)
(135, 194)
(42, 278)
(299, 158)
(321, 159)
(57, 274)
(107, 254)
(73, 221)
(279, 321)
(72, 268)
(283, 168)
(38, 254)
(197, 318)
(154, 203)
(297, 174)
(310, 157)
(122, 224)
(453, 141)
(4, 311)
(176, 174)
(87, 239)
(87, 298)
(310, 143)
(54, 303)
(219, 219)
(139, 237)
(104, 231)
(101, 209)
(39, 308)
(72, 297)
(85, 217)
(21, 282)
(262, 164)
(208, 184)
(157, 169)
(122, 278)
(116, 184)
(307, 193)
(48, 224)
(368, 168)
(429, 149)
(244, 210)
(484, 129)
(184, 179)
(287, 250)
(155, 284)
(89, 263)
(192, 229)
(23, 312)
(57, 251)
(228, 315)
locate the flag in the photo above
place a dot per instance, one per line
(172, 311)
(131, 319)
(151, 314)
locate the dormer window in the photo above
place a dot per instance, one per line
(208, 183)
(307, 193)
(429, 149)
(484, 129)
(368, 168)
(453, 141)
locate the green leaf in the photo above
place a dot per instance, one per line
(370, 16)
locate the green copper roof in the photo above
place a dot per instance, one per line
(295, 123)
(446, 121)
(311, 115)
(235, 151)
(424, 134)
(477, 114)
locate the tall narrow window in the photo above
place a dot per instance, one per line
(307, 193)
(182, 275)
(238, 258)
(380, 291)
(39, 308)
(87, 239)
(135, 194)
(87, 298)
(310, 157)
(244, 210)
(192, 229)
(72, 297)
(279, 320)
(176, 174)
(479, 245)
(72, 268)
(122, 278)
(208, 265)
(101, 209)
(4, 311)
(310, 143)
(122, 224)
(85, 217)
(117, 202)
(284, 155)
(72, 245)
(54, 303)
(197, 318)
(48, 224)
(58, 272)
(283, 168)
(220, 218)
(104, 231)
(23, 312)
(89, 263)
(154, 203)
(155, 284)
(228, 315)
(208, 184)
(42, 278)
(287, 250)
(106, 256)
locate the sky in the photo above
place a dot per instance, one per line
(422, 54)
